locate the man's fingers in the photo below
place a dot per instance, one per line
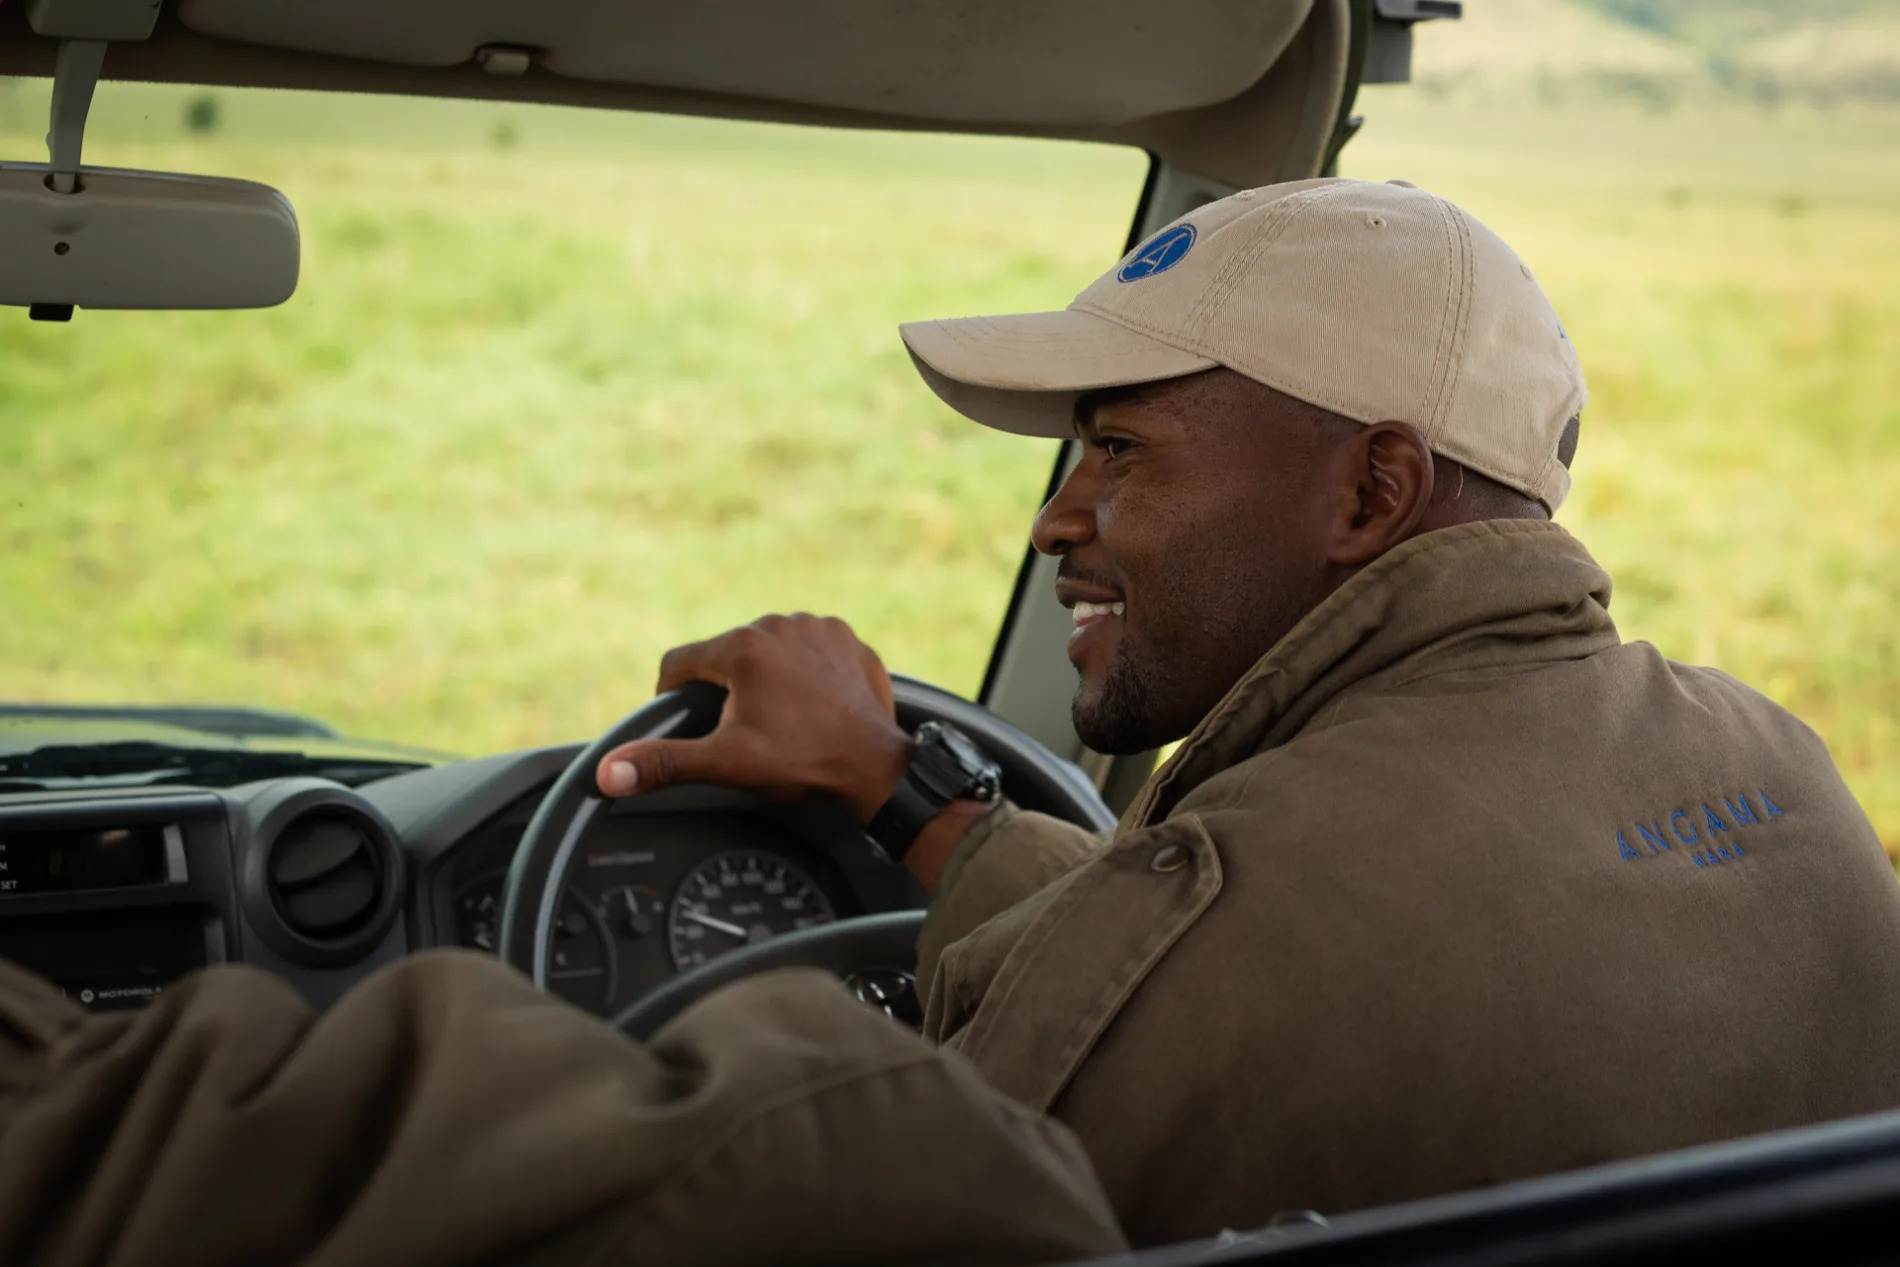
(708, 661)
(646, 765)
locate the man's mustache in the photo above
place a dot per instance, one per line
(1067, 569)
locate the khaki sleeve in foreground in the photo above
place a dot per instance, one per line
(1007, 856)
(445, 1112)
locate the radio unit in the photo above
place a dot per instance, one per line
(113, 897)
(76, 859)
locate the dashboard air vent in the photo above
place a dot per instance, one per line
(326, 875)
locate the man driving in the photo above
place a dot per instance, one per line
(1445, 885)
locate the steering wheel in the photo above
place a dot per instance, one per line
(873, 952)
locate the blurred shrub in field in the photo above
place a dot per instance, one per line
(201, 114)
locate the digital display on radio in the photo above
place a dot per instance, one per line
(89, 858)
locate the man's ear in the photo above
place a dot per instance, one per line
(1386, 482)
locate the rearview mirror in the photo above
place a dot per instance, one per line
(132, 239)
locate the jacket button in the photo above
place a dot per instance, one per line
(1169, 858)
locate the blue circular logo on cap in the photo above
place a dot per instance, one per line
(1159, 254)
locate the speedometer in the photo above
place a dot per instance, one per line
(738, 899)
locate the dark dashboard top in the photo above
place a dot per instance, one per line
(84, 747)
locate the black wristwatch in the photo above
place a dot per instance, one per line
(945, 767)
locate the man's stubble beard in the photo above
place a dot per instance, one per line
(1121, 720)
(1160, 691)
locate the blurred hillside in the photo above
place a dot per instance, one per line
(1661, 52)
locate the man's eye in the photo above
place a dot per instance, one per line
(1114, 446)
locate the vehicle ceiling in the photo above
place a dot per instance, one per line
(1243, 92)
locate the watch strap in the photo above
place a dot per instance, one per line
(903, 818)
(944, 766)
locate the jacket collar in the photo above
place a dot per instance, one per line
(1506, 591)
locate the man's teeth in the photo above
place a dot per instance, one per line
(1089, 611)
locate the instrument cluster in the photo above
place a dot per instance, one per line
(651, 895)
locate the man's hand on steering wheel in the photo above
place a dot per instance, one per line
(793, 708)
(808, 713)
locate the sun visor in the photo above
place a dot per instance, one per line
(1003, 62)
(1234, 93)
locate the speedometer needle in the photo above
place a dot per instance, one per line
(732, 930)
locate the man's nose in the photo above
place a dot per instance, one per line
(1067, 520)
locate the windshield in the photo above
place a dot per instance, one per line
(558, 390)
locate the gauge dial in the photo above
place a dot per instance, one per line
(738, 899)
(580, 958)
(478, 912)
(633, 911)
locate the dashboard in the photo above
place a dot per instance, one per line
(114, 895)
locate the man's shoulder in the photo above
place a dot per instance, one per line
(1593, 731)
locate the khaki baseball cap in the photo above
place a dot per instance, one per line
(1380, 302)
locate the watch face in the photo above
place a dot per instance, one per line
(978, 771)
(968, 755)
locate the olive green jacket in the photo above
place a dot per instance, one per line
(1454, 887)
(445, 1112)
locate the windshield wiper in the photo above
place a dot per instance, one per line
(141, 762)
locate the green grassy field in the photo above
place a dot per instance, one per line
(559, 390)
(541, 408)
